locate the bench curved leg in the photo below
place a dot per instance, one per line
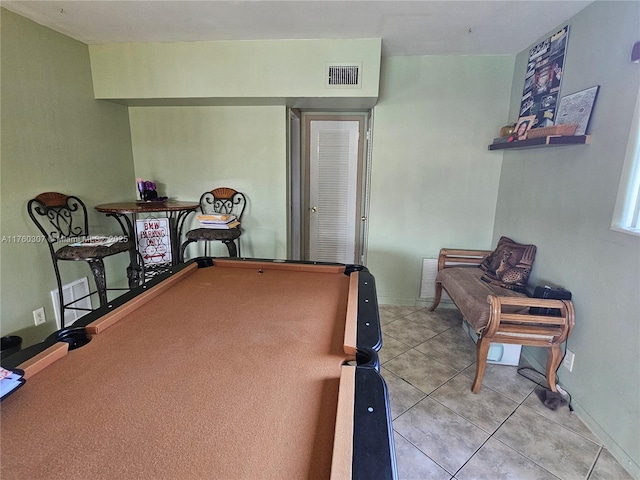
(482, 349)
(554, 357)
(436, 300)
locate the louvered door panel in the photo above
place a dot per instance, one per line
(333, 187)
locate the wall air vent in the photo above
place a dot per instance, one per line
(78, 289)
(344, 75)
(428, 281)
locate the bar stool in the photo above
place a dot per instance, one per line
(223, 200)
(62, 219)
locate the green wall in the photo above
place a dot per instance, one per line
(562, 199)
(237, 70)
(190, 150)
(55, 137)
(433, 181)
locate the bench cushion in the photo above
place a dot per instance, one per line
(509, 265)
(469, 293)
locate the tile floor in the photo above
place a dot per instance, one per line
(443, 431)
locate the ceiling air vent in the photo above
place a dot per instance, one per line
(344, 75)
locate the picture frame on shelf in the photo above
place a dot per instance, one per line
(523, 126)
(577, 108)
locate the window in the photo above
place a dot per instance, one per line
(626, 217)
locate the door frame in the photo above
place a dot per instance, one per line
(361, 207)
(295, 165)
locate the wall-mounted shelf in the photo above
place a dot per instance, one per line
(551, 141)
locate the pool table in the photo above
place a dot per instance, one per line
(219, 369)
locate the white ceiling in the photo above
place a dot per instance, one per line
(406, 27)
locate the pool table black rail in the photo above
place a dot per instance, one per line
(369, 333)
(373, 447)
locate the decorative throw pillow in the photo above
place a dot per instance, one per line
(509, 265)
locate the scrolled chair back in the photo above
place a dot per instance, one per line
(59, 216)
(223, 200)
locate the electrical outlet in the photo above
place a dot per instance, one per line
(38, 316)
(569, 358)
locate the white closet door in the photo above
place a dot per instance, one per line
(333, 190)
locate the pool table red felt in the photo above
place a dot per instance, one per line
(230, 371)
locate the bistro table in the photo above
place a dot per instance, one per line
(126, 213)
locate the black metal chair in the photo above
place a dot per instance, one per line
(223, 200)
(63, 219)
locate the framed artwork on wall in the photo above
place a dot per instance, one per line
(577, 108)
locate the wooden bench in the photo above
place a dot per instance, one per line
(501, 315)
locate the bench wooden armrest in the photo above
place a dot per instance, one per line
(554, 328)
(453, 257)
(456, 257)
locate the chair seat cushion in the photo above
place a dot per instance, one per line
(221, 234)
(72, 252)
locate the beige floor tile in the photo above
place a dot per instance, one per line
(407, 332)
(399, 310)
(421, 371)
(607, 468)
(452, 347)
(504, 379)
(497, 461)
(447, 438)
(415, 465)
(562, 416)
(487, 409)
(555, 448)
(436, 321)
(391, 348)
(402, 395)
(387, 316)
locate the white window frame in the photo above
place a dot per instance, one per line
(626, 216)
